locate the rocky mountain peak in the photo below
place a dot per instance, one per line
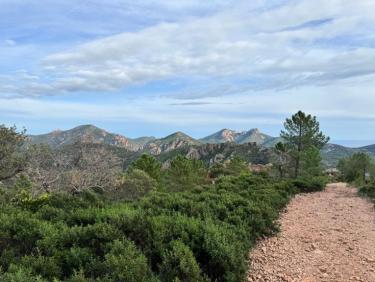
(227, 135)
(254, 131)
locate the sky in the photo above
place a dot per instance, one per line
(142, 68)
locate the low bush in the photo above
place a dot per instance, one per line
(202, 233)
(310, 184)
(368, 191)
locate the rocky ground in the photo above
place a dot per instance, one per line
(325, 236)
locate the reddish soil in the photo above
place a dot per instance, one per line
(325, 236)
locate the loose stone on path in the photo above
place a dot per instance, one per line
(325, 236)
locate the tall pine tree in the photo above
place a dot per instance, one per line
(301, 133)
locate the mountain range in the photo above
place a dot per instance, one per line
(331, 153)
(95, 135)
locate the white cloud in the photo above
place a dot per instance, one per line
(273, 47)
(10, 42)
(355, 102)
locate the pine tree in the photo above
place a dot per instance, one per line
(148, 164)
(301, 133)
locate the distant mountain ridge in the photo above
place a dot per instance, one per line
(171, 142)
(95, 135)
(331, 153)
(227, 135)
(88, 134)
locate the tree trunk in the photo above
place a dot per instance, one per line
(296, 169)
(281, 171)
(364, 175)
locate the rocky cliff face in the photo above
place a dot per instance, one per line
(228, 135)
(213, 153)
(169, 143)
(94, 135)
(222, 136)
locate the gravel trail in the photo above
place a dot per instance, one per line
(325, 236)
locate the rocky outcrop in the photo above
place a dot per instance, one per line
(228, 135)
(170, 143)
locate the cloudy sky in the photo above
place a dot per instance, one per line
(158, 66)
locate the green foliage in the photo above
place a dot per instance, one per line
(311, 162)
(302, 132)
(310, 184)
(188, 235)
(185, 174)
(23, 197)
(179, 264)
(235, 166)
(20, 274)
(148, 164)
(368, 190)
(12, 161)
(124, 262)
(22, 183)
(355, 168)
(134, 184)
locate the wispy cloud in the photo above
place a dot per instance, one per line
(277, 48)
(187, 64)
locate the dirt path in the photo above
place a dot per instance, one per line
(325, 236)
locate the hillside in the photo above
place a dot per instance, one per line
(169, 143)
(212, 153)
(369, 148)
(86, 134)
(332, 153)
(94, 135)
(228, 135)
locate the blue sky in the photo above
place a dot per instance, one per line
(155, 67)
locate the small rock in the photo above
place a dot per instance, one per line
(323, 269)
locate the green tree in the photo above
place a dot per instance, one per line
(134, 184)
(185, 174)
(356, 167)
(148, 164)
(234, 167)
(311, 162)
(12, 160)
(302, 132)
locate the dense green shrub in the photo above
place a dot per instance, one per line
(179, 264)
(124, 262)
(310, 184)
(368, 191)
(196, 234)
(20, 274)
(184, 174)
(356, 168)
(234, 166)
(133, 185)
